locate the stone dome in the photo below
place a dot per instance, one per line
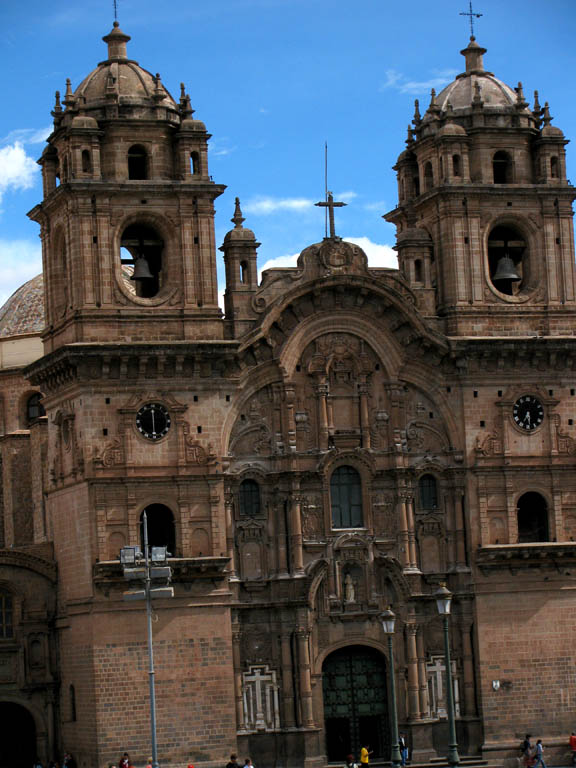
(122, 79)
(476, 83)
(23, 312)
(451, 129)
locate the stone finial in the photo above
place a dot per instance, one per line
(57, 111)
(537, 111)
(416, 120)
(473, 54)
(521, 102)
(433, 106)
(69, 98)
(116, 41)
(158, 88)
(546, 118)
(449, 110)
(237, 219)
(410, 136)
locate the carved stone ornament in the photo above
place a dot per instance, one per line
(112, 455)
(256, 645)
(489, 445)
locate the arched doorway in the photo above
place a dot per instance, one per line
(354, 684)
(19, 751)
(532, 518)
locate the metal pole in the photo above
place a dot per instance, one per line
(453, 756)
(395, 756)
(150, 648)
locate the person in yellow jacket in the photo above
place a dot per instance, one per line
(365, 753)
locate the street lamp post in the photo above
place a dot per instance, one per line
(388, 620)
(444, 604)
(148, 569)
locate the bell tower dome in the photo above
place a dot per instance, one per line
(484, 217)
(127, 219)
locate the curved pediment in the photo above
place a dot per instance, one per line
(389, 316)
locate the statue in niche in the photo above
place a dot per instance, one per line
(349, 589)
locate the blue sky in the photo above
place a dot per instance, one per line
(273, 80)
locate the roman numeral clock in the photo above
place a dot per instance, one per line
(528, 413)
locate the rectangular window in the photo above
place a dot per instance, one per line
(6, 617)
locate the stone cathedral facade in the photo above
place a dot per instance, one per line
(342, 439)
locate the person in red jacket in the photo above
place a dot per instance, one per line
(573, 747)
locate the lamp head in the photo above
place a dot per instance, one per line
(388, 620)
(443, 600)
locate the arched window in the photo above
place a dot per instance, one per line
(346, 498)
(243, 271)
(532, 518)
(6, 616)
(34, 408)
(416, 184)
(161, 530)
(428, 177)
(143, 248)
(428, 492)
(456, 165)
(507, 259)
(502, 168)
(554, 165)
(86, 161)
(194, 163)
(65, 170)
(249, 498)
(137, 163)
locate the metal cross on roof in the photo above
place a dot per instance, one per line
(472, 15)
(115, 10)
(330, 204)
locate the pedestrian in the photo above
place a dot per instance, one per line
(350, 762)
(124, 761)
(233, 762)
(365, 753)
(149, 763)
(573, 747)
(539, 757)
(248, 763)
(38, 763)
(527, 751)
(403, 744)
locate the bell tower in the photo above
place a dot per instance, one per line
(484, 218)
(127, 219)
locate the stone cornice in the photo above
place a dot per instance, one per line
(19, 559)
(514, 557)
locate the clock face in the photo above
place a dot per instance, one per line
(528, 412)
(153, 421)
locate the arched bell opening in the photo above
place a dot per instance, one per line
(34, 408)
(502, 168)
(86, 161)
(161, 528)
(194, 163)
(355, 692)
(18, 748)
(137, 163)
(508, 259)
(141, 251)
(532, 518)
(428, 177)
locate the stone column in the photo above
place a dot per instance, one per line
(460, 529)
(450, 530)
(404, 534)
(364, 415)
(296, 535)
(411, 532)
(287, 681)
(424, 696)
(468, 668)
(413, 674)
(305, 678)
(240, 725)
(322, 395)
(230, 548)
(280, 511)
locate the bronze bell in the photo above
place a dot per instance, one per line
(506, 270)
(141, 269)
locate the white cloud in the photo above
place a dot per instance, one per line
(377, 205)
(398, 81)
(221, 147)
(20, 260)
(279, 261)
(17, 169)
(345, 197)
(27, 135)
(378, 255)
(262, 206)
